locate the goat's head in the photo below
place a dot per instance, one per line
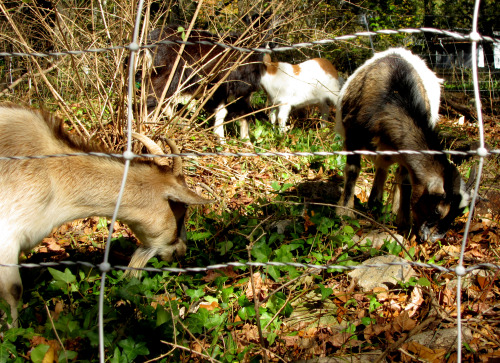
(163, 232)
(436, 204)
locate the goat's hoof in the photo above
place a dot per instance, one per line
(178, 249)
(343, 212)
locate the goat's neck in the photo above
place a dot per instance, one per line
(92, 187)
(423, 168)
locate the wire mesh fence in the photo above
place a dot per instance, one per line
(481, 152)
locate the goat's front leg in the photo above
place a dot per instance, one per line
(351, 173)
(272, 116)
(284, 111)
(11, 290)
(402, 199)
(220, 115)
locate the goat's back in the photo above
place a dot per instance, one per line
(26, 131)
(206, 62)
(311, 82)
(393, 98)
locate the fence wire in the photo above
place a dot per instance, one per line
(134, 46)
(474, 37)
(106, 267)
(481, 152)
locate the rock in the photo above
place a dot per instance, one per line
(377, 238)
(443, 338)
(358, 358)
(383, 276)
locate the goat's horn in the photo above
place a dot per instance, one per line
(152, 147)
(177, 162)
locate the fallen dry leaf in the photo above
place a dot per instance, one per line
(363, 196)
(415, 302)
(213, 274)
(375, 329)
(250, 333)
(307, 222)
(209, 306)
(58, 308)
(50, 356)
(261, 287)
(381, 293)
(339, 339)
(403, 323)
(424, 353)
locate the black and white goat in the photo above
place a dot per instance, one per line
(229, 76)
(313, 82)
(391, 103)
(38, 195)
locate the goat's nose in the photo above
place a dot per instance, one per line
(436, 236)
(424, 233)
(182, 233)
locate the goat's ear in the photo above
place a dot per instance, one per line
(267, 59)
(435, 186)
(181, 194)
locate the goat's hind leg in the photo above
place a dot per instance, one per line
(244, 132)
(351, 173)
(376, 199)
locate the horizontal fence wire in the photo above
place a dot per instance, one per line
(133, 47)
(106, 267)
(482, 152)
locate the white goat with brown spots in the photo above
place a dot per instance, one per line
(38, 195)
(313, 82)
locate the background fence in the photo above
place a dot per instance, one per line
(111, 114)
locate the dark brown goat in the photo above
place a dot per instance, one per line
(229, 76)
(38, 195)
(391, 103)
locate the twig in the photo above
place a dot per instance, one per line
(173, 326)
(411, 355)
(25, 75)
(308, 272)
(252, 284)
(197, 341)
(278, 312)
(55, 332)
(191, 351)
(175, 346)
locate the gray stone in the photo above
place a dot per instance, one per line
(383, 276)
(377, 238)
(357, 358)
(441, 339)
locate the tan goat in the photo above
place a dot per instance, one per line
(38, 195)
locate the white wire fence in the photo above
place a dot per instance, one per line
(105, 267)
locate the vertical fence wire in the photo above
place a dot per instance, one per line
(482, 152)
(128, 156)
